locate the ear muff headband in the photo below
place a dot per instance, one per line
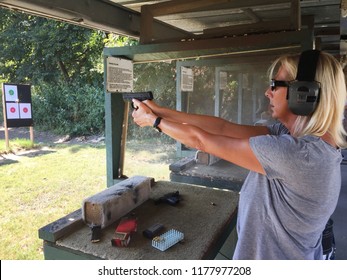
(307, 66)
(303, 92)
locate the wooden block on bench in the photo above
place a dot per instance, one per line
(104, 208)
(61, 227)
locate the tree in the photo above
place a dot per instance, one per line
(35, 49)
(64, 64)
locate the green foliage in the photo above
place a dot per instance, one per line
(200, 100)
(113, 40)
(160, 78)
(75, 109)
(64, 65)
(36, 49)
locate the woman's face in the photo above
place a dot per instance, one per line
(278, 98)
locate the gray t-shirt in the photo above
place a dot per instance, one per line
(282, 214)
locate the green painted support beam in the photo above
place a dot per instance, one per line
(114, 119)
(116, 123)
(216, 47)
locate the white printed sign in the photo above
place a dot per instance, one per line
(222, 80)
(187, 79)
(119, 75)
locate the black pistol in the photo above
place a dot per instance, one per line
(171, 198)
(141, 96)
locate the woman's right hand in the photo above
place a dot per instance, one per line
(153, 106)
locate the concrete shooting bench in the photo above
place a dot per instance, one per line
(206, 216)
(207, 171)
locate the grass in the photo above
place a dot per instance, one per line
(41, 186)
(16, 145)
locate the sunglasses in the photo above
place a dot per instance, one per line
(275, 83)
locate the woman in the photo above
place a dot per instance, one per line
(294, 180)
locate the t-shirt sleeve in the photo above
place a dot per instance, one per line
(277, 129)
(279, 155)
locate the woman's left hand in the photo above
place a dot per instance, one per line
(143, 115)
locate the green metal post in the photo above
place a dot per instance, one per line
(115, 109)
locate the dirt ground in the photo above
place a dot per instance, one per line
(45, 137)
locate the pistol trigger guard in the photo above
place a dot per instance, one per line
(132, 105)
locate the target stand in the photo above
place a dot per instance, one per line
(17, 108)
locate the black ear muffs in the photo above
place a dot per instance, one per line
(304, 91)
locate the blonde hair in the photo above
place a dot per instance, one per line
(328, 116)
